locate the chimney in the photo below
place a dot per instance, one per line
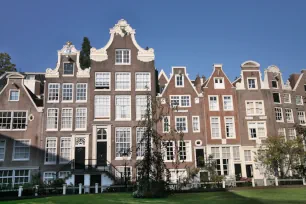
(198, 84)
(33, 85)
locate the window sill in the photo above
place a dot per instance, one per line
(21, 159)
(52, 101)
(122, 63)
(122, 89)
(142, 89)
(67, 101)
(12, 130)
(214, 110)
(119, 119)
(216, 138)
(121, 158)
(85, 129)
(102, 90)
(65, 130)
(81, 101)
(68, 75)
(50, 163)
(279, 121)
(13, 100)
(102, 119)
(52, 130)
(231, 138)
(229, 110)
(196, 131)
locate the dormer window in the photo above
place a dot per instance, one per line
(219, 83)
(68, 69)
(274, 84)
(14, 95)
(123, 57)
(179, 80)
(252, 83)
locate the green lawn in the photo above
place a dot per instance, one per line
(271, 196)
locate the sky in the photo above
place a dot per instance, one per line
(195, 34)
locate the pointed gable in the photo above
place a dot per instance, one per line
(218, 79)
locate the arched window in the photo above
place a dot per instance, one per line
(101, 134)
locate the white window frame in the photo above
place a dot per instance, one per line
(291, 115)
(4, 149)
(289, 97)
(76, 93)
(210, 122)
(140, 145)
(110, 80)
(186, 124)
(279, 96)
(10, 94)
(72, 91)
(298, 113)
(163, 125)
(12, 120)
(71, 119)
(180, 100)
(301, 99)
(221, 86)
(289, 135)
(49, 172)
(130, 140)
(46, 152)
(281, 114)
(57, 121)
(64, 69)
(165, 151)
(139, 108)
(199, 127)
(103, 117)
(149, 83)
(209, 103)
(29, 147)
(254, 107)
(58, 92)
(128, 88)
(76, 116)
(188, 150)
(183, 79)
(255, 81)
(256, 124)
(248, 155)
(130, 109)
(61, 161)
(272, 84)
(231, 98)
(122, 63)
(281, 131)
(234, 128)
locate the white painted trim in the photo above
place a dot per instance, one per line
(222, 78)
(280, 98)
(48, 90)
(289, 98)
(110, 81)
(12, 117)
(180, 100)
(13, 155)
(123, 119)
(150, 83)
(81, 129)
(253, 101)
(169, 126)
(66, 129)
(254, 64)
(76, 93)
(54, 162)
(285, 115)
(4, 149)
(281, 114)
(164, 74)
(298, 82)
(129, 88)
(131, 141)
(257, 137)
(198, 123)
(122, 63)
(68, 75)
(18, 90)
(256, 84)
(55, 129)
(60, 149)
(183, 78)
(231, 96)
(186, 119)
(220, 132)
(72, 87)
(105, 117)
(234, 128)
(218, 105)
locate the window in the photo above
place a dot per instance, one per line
(225, 157)
(143, 81)
(141, 107)
(182, 151)
(304, 87)
(81, 92)
(81, 119)
(227, 103)
(101, 134)
(67, 92)
(14, 95)
(179, 80)
(219, 83)
(287, 98)
(49, 176)
(53, 92)
(22, 176)
(180, 101)
(127, 170)
(123, 81)
(52, 119)
(166, 124)
(141, 141)
(291, 133)
(181, 124)
(215, 151)
(247, 155)
(123, 141)
(102, 106)
(255, 108)
(281, 132)
(276, 98)
(256, 129)
(236, 153)
(6, 177)
(301, 117)
(289, 115)
(13, 120)
(215, 127)
(196, 123)
(213, 103)
(274, 84)
(278, 114)
(103, 80)
(123, 107)
(123, 56)
(177, 175)
(67, 118)
(50, 156)
(68, 69)
(65, 149)
(2, 149)
(229, 127)
(169, 146)
(21, 150)
(64, 174)
(252, 83)
(299, 100)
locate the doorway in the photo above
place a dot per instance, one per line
(79, 157)
(102, 135)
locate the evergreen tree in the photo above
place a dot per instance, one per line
(5, 63)
(85, 54)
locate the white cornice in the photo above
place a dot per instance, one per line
(122, 28)
(164, 74)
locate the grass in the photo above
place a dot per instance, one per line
(249, 196)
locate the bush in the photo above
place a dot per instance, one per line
(151, 189)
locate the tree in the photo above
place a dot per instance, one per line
(85, 53)
(278, 156)
(5, 63)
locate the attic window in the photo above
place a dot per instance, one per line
(68, 69)
(123, 56)
(179, 80)
(14, 95)
(276, 98)
(274, 84)
(219, 83)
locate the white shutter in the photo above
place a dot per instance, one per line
(188, 151)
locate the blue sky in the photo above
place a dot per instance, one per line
(195, 34)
